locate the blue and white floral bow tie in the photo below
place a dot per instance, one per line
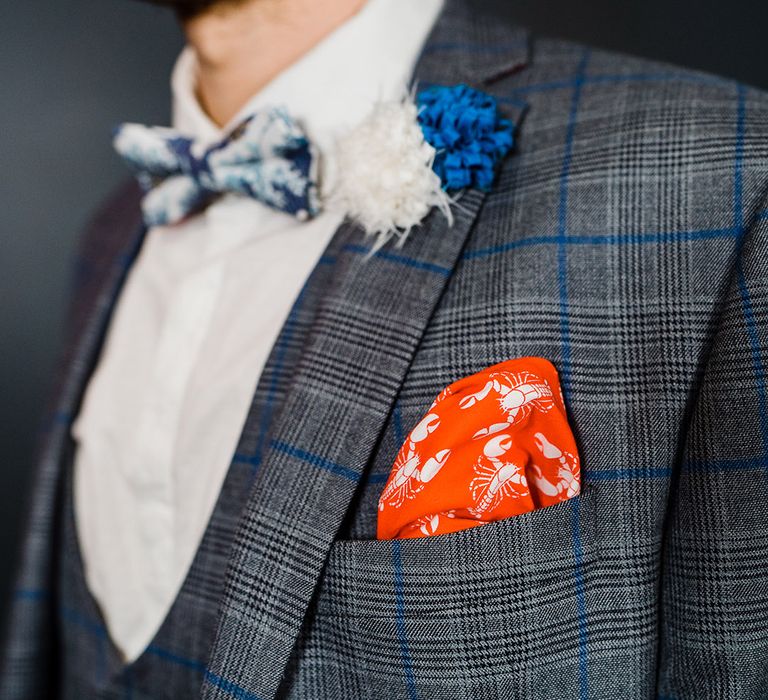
(267, 157)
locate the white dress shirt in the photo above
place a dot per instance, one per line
(200, 310)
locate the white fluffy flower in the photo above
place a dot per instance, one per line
(384, 177)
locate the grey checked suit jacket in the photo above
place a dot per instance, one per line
(625, 240)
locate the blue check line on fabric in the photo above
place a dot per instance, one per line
(254, 460)
(757, 359)
(30, 594)
(94, 628)
(400, 259)
(399, 437)
(62, 418)
(581, 604)
(282, 348)
(514, 102)
(562, 224)
(315, 460)
(638, 473)
(169, 656)
(630, 473)
(124, 260)
(738, 167)
(397, 424)
(227, 686)
(562, 270)
(616, 78)
(98, 630)
(738, 464)
(77, 618)
(405, 654)
(746, 302)
(606, 239)
(522, 104)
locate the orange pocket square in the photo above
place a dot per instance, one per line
(492, 445)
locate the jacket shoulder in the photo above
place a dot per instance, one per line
(674, 143)
(625, 90)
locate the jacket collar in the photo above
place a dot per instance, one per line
(468, 46)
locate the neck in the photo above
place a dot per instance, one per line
(241, 46)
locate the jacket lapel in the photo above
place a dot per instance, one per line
(367, 327)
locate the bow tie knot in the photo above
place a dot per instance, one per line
(267, 157)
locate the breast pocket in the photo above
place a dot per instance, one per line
(492, 611)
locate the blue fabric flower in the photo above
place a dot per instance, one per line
(464, 126)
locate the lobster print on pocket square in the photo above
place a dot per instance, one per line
(492, 445)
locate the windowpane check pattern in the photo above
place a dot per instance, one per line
(625, 241)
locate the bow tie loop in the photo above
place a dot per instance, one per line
(266, 157)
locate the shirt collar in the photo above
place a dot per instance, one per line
(334, 85)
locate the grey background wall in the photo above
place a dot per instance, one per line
(71, 70)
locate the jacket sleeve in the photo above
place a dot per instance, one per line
(714, 592)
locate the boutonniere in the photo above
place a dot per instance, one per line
(419, 153)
